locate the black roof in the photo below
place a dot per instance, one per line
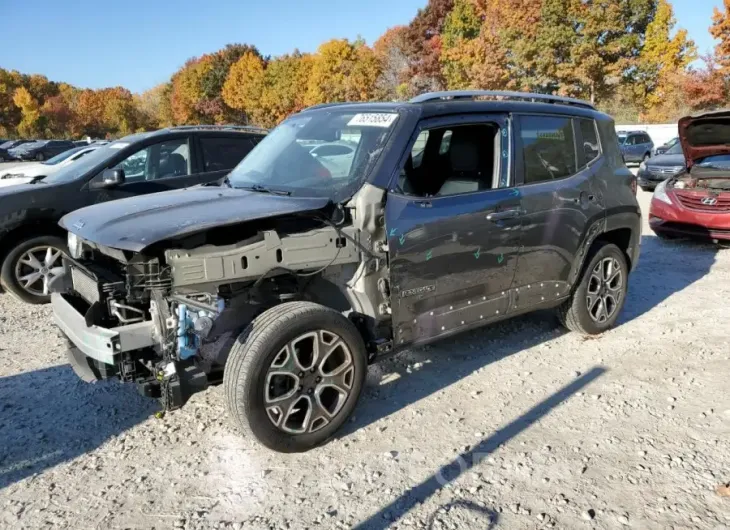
(244, 129)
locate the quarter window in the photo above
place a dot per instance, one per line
(224, 153)
(591, 148)
(548, 148)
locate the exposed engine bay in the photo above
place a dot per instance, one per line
(198, 293)
(701, 178)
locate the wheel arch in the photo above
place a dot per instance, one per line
(40, 227)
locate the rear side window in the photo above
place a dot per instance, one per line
(591, 148)
(548, 148)
(224, 153)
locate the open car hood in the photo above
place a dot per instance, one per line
(705, 134)
(138, 222)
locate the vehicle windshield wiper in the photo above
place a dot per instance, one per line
(263, 189)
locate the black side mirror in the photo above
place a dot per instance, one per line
(110, 178)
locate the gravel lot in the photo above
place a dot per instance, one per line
(518, 426)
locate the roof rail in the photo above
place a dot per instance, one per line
(324, 105)
(218, 128)
(451, 95)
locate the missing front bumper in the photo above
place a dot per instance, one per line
(101, 344)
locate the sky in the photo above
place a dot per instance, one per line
(141, 43)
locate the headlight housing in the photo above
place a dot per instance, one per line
(74, 245)
(660, 193)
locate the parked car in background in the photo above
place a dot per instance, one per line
(5, 147)
(42, 149)
(661, 167)
(336, 157)
(636, 146)
(696, 203)
(31, 241)
(666, 147)
(26, 173)
(287, 282)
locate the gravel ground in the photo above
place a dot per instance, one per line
(519, 426)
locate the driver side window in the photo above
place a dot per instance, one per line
(170, 158)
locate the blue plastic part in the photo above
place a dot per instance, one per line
(187, 342)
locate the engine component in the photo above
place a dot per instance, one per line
(192, 328)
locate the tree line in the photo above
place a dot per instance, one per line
(626, 56)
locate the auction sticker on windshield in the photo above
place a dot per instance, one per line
(373, 119)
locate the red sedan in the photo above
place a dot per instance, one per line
(696, 203)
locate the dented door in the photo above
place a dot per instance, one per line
(452, 261)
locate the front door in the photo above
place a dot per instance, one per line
(453, 224)
(162, 166)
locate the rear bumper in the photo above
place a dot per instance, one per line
(674, 219)
(104, 345)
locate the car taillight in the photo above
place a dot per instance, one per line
(633, 185)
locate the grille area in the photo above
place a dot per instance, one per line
(695, 200)
(664, 171)
(85, 285)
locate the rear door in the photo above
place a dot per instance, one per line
(219, 154)
(557, 158)
(453, 223)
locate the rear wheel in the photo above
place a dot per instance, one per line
(294, 376)
(30, 266)
(596, 303)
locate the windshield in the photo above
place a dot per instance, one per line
(63, 156)
(676, 149)
(85, 163)
(316, 154)
(7, 144)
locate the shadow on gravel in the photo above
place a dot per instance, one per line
(49, 416)
(394, 511)
(665, 267)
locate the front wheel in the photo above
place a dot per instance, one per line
(596, 302)
(30, 266)
(294, 376)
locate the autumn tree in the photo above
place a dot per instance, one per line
(662, 64)
(391, 50)
(282, 94)
(244, 86)
(30, 124)
(187, 90)
(423, 46)
(458, 55)
(706, 88)
(720, 30)
(343, 71)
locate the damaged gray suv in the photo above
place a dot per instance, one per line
(306, 263)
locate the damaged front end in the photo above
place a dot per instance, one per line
(166, 317)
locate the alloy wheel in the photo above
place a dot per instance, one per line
(605, 289)
(36, 268)
(308, 382)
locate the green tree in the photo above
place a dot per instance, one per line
(31, 123)
(460, 31)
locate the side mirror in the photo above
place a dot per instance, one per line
(111, 178)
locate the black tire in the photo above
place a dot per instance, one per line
(40, 157)
(8, 270)
(646, 188)
(259, 346)
(574, 313)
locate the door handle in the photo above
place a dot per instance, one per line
(423, 204)
(504, 214)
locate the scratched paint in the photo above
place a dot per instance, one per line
(402, 239)
(478, 253)
(500, 258)
(429, 255)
